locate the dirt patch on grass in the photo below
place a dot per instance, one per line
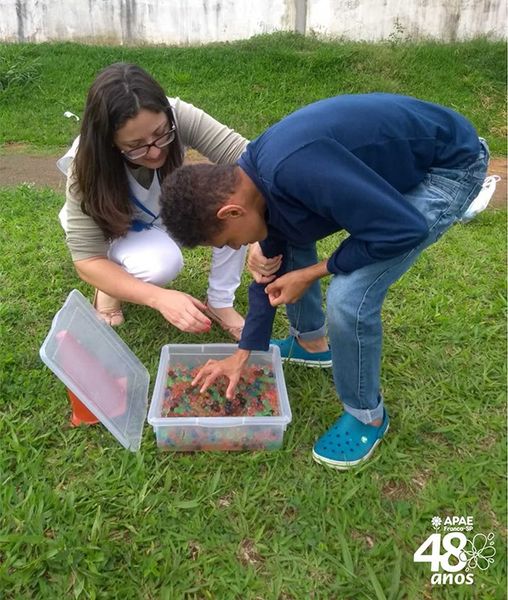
(404, 490)
(17, 168)
(247, 554)
(41, 171)
(498, 166)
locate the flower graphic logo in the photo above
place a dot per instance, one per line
(436, 522)
(479, 552)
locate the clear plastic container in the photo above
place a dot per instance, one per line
(217, 433)
(99, 369)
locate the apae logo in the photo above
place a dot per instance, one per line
(452, 556)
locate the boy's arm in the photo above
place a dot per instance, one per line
(259, 320)
(255, 335)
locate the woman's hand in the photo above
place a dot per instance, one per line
(182, 310)
(230, 367)
(261, 268)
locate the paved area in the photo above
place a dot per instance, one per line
(42, 171)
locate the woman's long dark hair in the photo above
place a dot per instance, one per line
(118, 93)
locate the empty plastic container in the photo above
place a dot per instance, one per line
(98, 368)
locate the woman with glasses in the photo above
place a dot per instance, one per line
(132, 136)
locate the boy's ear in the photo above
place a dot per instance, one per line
(230, 211)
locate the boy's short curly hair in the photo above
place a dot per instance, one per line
(190, 198)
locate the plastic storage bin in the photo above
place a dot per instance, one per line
(217, 433)
(105, 379)
(98, 369)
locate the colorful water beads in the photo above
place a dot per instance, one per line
(255, 395)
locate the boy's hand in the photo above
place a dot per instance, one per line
(287, 289)
(230, 367)
(261, 268)
(290, 287)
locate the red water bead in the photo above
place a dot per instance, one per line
(272, 398)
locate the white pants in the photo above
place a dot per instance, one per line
(152, 256)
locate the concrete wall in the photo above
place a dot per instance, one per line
(446, 20)
(203, 21)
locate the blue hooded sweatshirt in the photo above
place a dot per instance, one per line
(344, 163)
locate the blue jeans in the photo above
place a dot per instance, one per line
(355, 300)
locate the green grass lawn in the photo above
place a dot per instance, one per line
(250, 85)
(80, 517)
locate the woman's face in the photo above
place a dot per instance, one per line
(142, 130)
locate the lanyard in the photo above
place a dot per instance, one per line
(137, 224)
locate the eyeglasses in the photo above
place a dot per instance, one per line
(161, 142)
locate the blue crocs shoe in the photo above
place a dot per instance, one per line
(348, 442)
(291, 351)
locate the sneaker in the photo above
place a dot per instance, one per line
(348, 442)
(291, 351)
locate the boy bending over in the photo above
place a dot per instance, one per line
(393, 171)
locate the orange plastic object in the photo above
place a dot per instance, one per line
(79, 363)
(80, 413)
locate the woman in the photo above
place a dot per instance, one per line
(132, 136)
